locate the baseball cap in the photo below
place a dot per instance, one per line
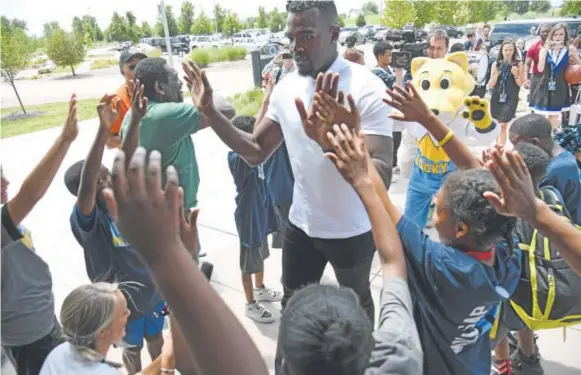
(130, 54)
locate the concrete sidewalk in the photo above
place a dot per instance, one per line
(49, 223)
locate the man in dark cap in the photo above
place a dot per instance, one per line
(127, 62)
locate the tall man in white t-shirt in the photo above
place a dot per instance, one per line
(327, 221)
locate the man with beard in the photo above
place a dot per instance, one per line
(108, 258)
(533, 60)
(327, 222)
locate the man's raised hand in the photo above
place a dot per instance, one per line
(350, 155)
(331, 111)
(408, 103)
(517, 193)
(200, 88)
(71, 127)
(148, 216)
(328, 83)
(138, 101)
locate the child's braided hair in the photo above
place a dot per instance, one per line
(464, 192)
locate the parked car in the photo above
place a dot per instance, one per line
(205, 41)
(347, 32)
(511, 29)
(368, 31)
(380, 34)
(453, 32)
(177, 44)
(238, 36)
(248, 43)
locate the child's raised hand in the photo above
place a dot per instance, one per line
(517, 193)
(350, 156)
(409, 103)
(331, 111)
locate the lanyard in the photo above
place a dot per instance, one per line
(505, 71)
(554, 63)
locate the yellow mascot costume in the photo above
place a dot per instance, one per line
(444, 84)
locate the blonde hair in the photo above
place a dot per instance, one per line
(85, 312)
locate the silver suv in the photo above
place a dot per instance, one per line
(205, 41)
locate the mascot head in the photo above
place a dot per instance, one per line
(443, 83)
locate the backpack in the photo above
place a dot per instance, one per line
(548, 294)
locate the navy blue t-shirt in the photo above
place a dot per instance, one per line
(279, 177)
(108, 258)
(455, 299)
(563, 174)
(386, 76)
(254, 215)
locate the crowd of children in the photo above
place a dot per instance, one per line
(507, 227)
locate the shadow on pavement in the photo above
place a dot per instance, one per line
(555, 368)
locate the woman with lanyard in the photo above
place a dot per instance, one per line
(505, 81)
(552, 95)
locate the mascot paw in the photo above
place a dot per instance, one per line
(478, 113)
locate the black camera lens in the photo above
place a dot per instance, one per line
(287, 56)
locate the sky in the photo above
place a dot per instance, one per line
(38, 12)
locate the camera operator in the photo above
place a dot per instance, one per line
(280, 66)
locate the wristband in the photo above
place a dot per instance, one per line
(167, 370)
(446, 139)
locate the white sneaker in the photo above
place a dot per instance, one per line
(267, 295)
(258, 313)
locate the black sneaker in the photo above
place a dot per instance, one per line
(523, 365)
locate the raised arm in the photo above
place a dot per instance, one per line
(92, 167)
(36, 184)
(413, 108)
(138, 110)
(518, 199)
(254, 148)
(493, 76)
(542, 59)
(149, 218)
(353, 162)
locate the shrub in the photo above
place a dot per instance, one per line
(102, 64)
(201, 57)
(44, 71)
(156, 52)
(247, 103)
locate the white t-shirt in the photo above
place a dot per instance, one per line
(66, 360)
(324, 204)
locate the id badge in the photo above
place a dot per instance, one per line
(552, 85)
(502, 97)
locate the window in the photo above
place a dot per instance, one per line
(516, 29)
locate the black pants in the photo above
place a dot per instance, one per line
(282, 212)
(28, 359)
(304, 259)
(396, 144)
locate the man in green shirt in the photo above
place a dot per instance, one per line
(168, 124)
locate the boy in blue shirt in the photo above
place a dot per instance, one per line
(108, 257)
(562, 172)
(458, 283)
(255, 220)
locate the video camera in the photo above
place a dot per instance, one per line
(410, 44)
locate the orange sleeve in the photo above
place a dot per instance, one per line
(122, 106)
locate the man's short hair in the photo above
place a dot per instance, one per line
(531, 126)
(326, 8)
(487, 26)
(470, 35)
(73, 177)
(439, 34)
(457, 47)
(151, 70)
(536, 160)
(244, 123)
(380, 48)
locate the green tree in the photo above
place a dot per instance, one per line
(65, 49)
(444, 12)
(262, 19)
(360, 22)
(172, 24)
(219, 17)
(250, 23)
(504, 10)
(398, 13)
(50, 27)
(275, 21)
(88, 40)
(145, 30)
(78, 26)
(118, 28)
(571, 8)
(370, 7)
(341, 21)
(424, 12)
(14, 54)
(231, 24)
(133, 30)
(202, 24)
(540, 6)
(516, 6)
(186, 19)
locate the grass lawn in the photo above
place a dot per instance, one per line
(64, 69)
(54, 114)
(104, 63)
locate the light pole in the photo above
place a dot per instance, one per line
(215, 20)
(166, 30)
